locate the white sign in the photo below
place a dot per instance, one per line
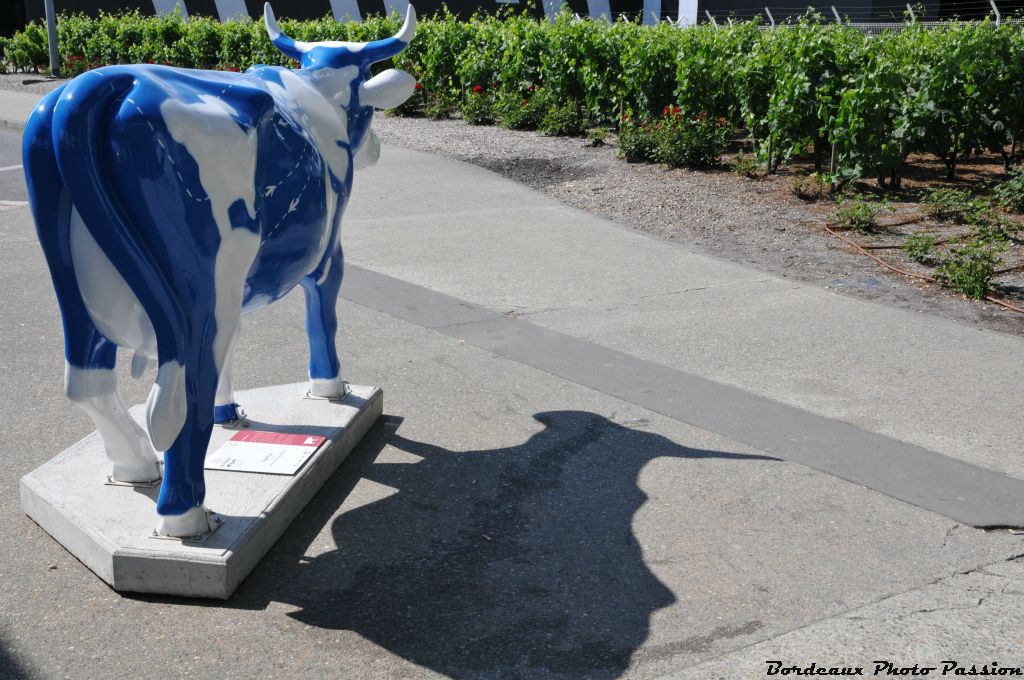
(274, 453)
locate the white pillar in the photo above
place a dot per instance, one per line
(687, 12)
(652, 11)
(346, 10)
(599, 9)
(552, 8)
(399, 6)
(162, 7)
(231, 9)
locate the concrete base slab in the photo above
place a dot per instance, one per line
(109, 528)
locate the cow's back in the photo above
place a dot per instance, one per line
(185, 144)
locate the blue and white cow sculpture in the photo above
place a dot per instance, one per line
(169, 201)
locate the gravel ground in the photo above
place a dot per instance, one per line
(754, 222)
(28, 82)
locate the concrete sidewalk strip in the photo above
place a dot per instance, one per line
(15, 108)
(468, 233)
(966, 493)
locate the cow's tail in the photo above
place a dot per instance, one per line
(80, 120)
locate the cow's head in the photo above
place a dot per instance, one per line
(341, 71)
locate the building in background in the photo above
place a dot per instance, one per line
(12, 16)
(14, 13)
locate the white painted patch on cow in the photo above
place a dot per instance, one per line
(323, 277)
(167, 406)
(334, 84)
(307, 97)
(119, 315)
(111, 303)
(225, 154)
(369, 153)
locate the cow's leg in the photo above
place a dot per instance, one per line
(321, 288)
(94, 389)
(89, 376)
(180, 504)
(226, 410)
(183, 491)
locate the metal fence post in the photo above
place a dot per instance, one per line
(913, 17)
(711, 18)
(51, 38)
(770, 17)
(835, 13)
(996, 10)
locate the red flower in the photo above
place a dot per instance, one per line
(477, 89)
(419, 86)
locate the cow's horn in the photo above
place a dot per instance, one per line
(379, 50)
(287, 46)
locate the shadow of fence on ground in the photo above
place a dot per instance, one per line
(510, 562)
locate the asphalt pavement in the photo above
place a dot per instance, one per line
(603, 456)
(12, 181)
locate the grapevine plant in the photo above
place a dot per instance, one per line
(855, 105)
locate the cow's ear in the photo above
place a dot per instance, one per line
(387, 89)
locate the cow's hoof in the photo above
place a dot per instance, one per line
(195, 522)
(333, 388)
(136, 473)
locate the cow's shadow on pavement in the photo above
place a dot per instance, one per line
(511, 562)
